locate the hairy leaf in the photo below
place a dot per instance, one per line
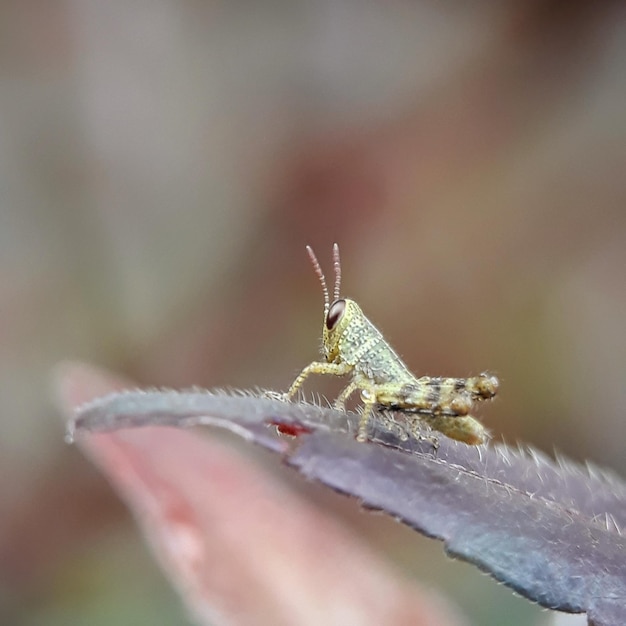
(551, 531)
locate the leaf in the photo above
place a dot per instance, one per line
(550, 531)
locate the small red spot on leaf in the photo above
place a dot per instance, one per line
(292, 429)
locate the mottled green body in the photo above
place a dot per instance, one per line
(353, 346)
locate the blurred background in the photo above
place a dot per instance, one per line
(162, 166)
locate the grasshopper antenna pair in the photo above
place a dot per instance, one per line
(320, 275)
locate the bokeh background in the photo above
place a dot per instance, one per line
(162, 166)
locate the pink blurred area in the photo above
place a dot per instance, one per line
(162, 167)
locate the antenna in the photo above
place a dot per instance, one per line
(320, 275)
(337, 266)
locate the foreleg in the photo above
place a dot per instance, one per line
(317, 367)
(368, 395)
(340, 402)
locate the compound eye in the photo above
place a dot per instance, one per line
(335, 313)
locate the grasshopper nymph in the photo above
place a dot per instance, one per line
(353, 346)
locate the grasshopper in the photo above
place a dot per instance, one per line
(353, 346)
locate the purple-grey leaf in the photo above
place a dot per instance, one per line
(551, 531)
